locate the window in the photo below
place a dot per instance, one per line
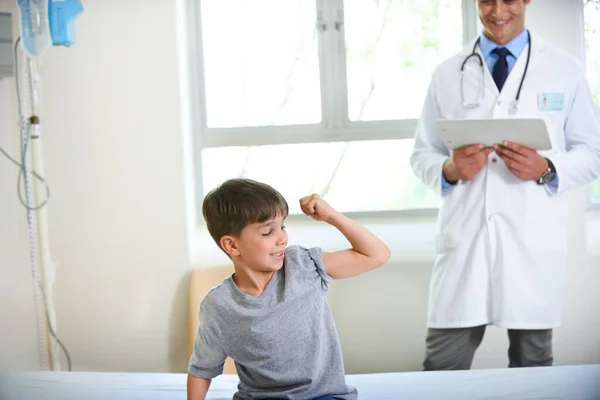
(591, 11)
(322, 96)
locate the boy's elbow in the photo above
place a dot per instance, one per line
(384, 256)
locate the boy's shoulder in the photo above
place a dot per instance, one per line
(299, 256)
(307, 263)
(217, 296)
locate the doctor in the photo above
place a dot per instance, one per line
(501, 245)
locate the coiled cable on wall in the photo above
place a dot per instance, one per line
(27, 131)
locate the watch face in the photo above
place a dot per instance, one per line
(547, 177)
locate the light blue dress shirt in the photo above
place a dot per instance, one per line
(515, 46)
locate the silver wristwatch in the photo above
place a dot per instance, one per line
(548, 175)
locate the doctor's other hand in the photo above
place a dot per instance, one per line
(525, 163)
(466, 162)
(317, 208)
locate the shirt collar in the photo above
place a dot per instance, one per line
(515, 46)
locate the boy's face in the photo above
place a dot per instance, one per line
(260, 246)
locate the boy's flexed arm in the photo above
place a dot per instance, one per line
(368, 251)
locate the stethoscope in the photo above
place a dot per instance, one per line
(514, 105)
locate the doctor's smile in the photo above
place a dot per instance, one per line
(502, 20)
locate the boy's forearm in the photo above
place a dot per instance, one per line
(197, 388)
(360, 238)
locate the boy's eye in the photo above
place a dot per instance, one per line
(268, 233)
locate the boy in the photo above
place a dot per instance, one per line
(271, 315)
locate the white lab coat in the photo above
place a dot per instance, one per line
(501, 246)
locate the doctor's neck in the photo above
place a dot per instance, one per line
(501, 42)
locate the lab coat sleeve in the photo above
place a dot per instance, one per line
(429, 151)
(580, 164)
(445, 183)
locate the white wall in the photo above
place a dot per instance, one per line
(120, 215)
(114, 160)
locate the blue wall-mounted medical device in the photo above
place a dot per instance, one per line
(46, 23)
(61, 15)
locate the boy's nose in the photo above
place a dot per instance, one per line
(282, 238)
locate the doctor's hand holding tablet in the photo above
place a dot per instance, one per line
(515, 141)
(465, 162)
(507, 128)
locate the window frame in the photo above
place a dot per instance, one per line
(335, 125)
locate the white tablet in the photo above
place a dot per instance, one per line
(530, 132)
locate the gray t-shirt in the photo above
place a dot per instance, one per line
(284, 342)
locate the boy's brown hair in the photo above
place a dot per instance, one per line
(240, 202)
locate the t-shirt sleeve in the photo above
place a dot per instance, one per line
(311, 261)
(208, 357)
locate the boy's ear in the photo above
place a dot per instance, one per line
(229, 244)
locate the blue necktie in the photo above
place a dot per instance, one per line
(500, 71)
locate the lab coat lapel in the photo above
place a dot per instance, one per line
(538, 53)
(487, 76)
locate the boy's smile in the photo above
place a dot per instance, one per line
(279, 255)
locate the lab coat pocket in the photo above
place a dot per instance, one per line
(450, 220)
(546, 218)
